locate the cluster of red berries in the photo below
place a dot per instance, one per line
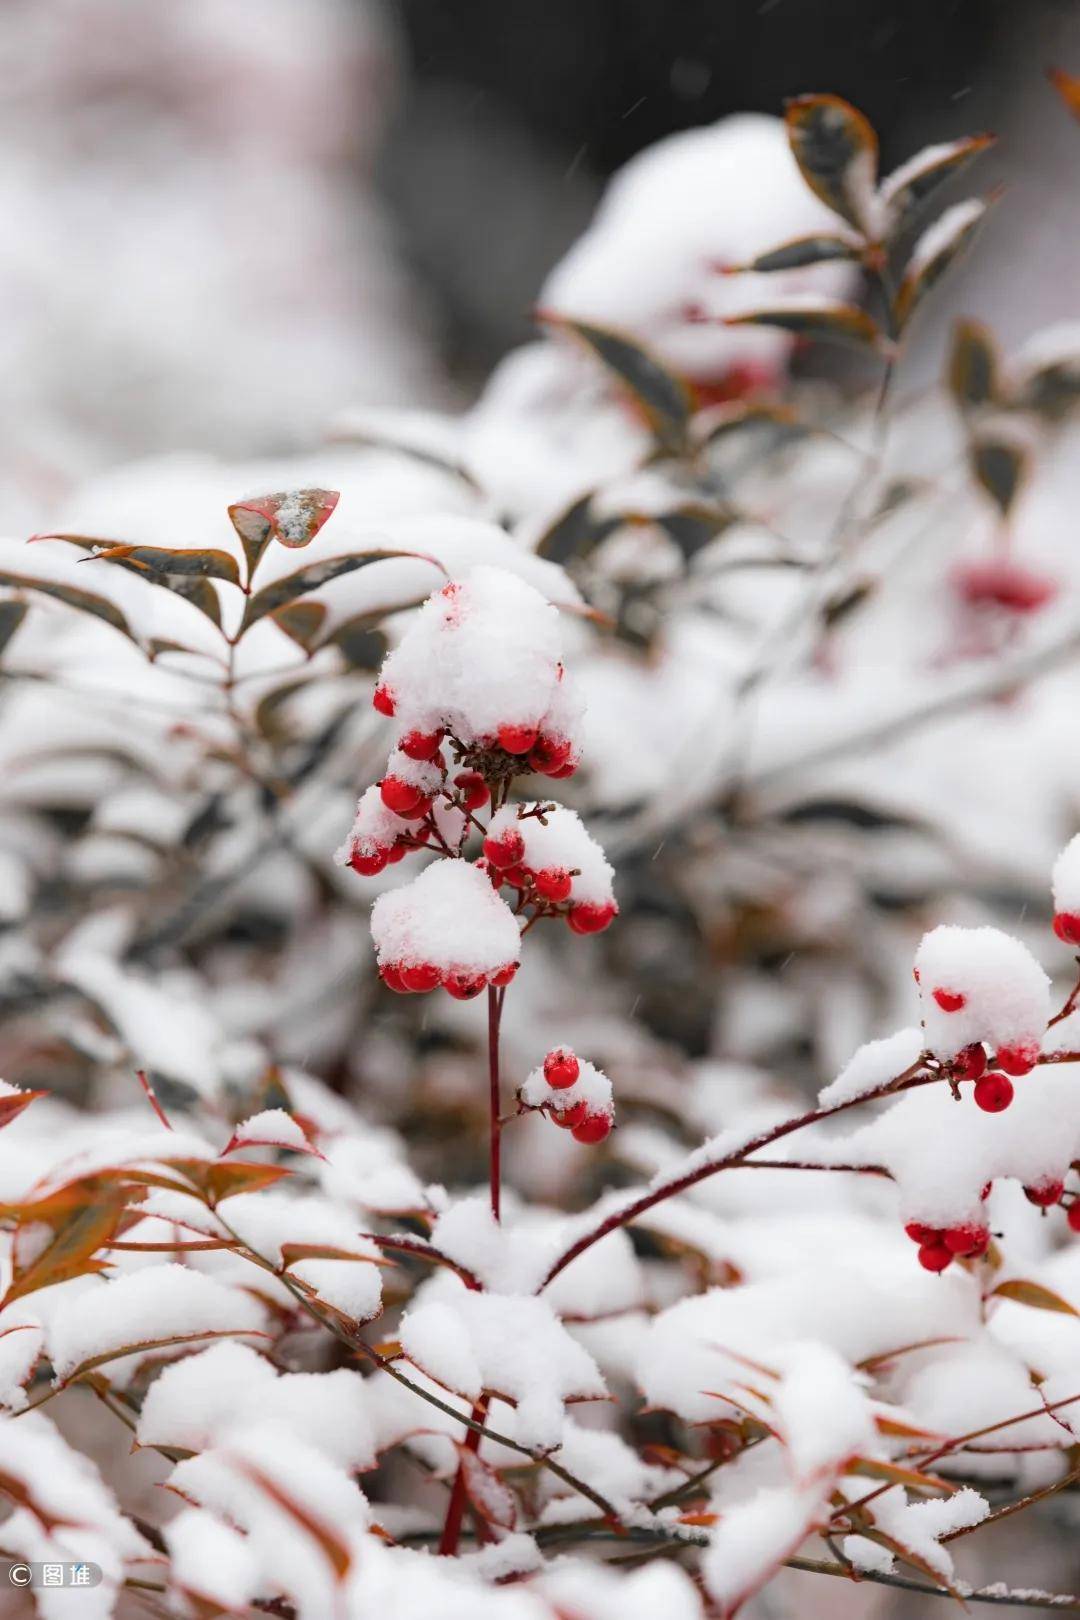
(940, 1246)
(504, 856)
(380, 858)
(561, 1071)
(416, 978)
(546, 755)
(994, 1090)
(999, 582)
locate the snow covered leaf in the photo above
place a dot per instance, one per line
(1000, 465)
(337, 1550)
(82, 1219)
(71, 595)
(662, 398)
(1035, 1294)
(273, 1127)
(293, 517)
(753, 1539)
(218, 1181)
(973, 369)
(491, 1498)
(802, 251)
(836, 149)
(155, 560)
(1067, 86)
(154, 1308)
(577, 530)
(819, 318)
(280, 592)
(909, 186)
(937, 248)
(13, 1100)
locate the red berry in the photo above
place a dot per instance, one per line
(593, 1129)
(949, 1000)
(994, 1092)
(916, 975)
(504, 975)
(1067, 927)
(935, 1257)
(986, 1186)
(517, 739)
(1073, 1217)
(1017, 1059)
(1044, 1194)
(970, 1063)
(591, 919)
(390, 975)
(548, 755)
(570, 1118)
(1002, 583)
(464, 986)
(421, 744)
(967, 1240)
(383, 700)
(399, 796)
(918, 1233)
(553, 883)
(562, 771)
(396, 852)
(517, 876)
(561, 1068)
(473, 789)
(420, 976)
(369, 865)
(505, 848)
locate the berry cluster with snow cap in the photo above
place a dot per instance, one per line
(545, 851)
(482, 661)
(573, 1093)
(1065, 881)
(976, 986)
(447, 927)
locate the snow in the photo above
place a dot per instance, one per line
(483, 652)
(273, 1127)
(873, 1065)
(754, 1538)
(557, 840)
(209, 1560)
(512, 1344)
(449, 916)
(1006, 994)
(940, 237)
(375, 829)
(1065, 878)
(591, 1087)
(146, 1308)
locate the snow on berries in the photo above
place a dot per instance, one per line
(979, 984)
(546, 848)
(482, 659)
(1065, 883)
(447, 927)
(573, 1093)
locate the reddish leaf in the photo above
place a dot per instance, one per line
(79, 1231)
(490, 1497)
(1067, 86)
(337, 1553)
(294, 517)
(1034, 1294)
(12, 1105)
(140, 1346)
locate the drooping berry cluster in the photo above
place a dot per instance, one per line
(573, 1094)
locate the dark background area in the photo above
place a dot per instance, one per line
(515, 111)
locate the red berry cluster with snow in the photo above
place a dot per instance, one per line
(573, 1093)
(979, 985)
(545, 851)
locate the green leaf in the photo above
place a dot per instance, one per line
(801, 251)
(836, 149)
(301, 622)
(937, 248)
(82, 601)
(359, 641)
(1034, 1294)
(282, 591)
(208, 564)
(822, 319)
(575, 531)
(662, 398)
(693, 526)
(973, 373)
(1051, 390)
(909, 186)
(1000, 466)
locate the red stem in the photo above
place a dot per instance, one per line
(455, 1512)
(495, 1126)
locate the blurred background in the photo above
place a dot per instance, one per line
(226, 221)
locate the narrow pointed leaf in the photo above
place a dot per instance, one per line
(490, 1497)
(575, 531)
(662, 398)
(836, 149)
(1067, 86)
(1000, 465)
(819, 318)
(73, 597)
(937, 248)
(283, 591)
(209, 564)
(803, 250)
(1037, 1295)
(336, 1551)
(903, 191)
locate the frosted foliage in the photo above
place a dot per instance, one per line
(1065, 878)
(512, 1344)
(449, 916)
(273, 1127)
(873, 1065)
(481, 653)
(209, 1560)
(557, 840)
(149, 1307)
(1003, 993)
(754, 1537)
